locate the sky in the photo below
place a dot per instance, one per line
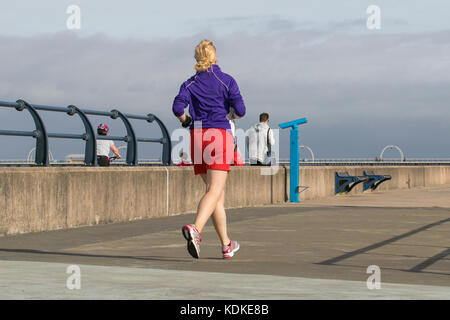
(360, 89)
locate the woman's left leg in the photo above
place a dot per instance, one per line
(219, 217)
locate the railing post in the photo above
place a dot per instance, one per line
(167, 143)
(41, 153)
(131, 141)
(90, 151)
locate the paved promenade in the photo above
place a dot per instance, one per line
(319, 249)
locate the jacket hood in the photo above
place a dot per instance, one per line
(260, 126)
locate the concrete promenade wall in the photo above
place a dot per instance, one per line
(41, 199)
(321, 179)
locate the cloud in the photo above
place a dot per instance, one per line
(273, 24)
(343, 83)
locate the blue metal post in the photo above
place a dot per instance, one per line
(41, 153)
(294, 183)
(167, 143)
(295, 170)
(131, 138)
(90, 150)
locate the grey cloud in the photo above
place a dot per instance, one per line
(275, 24)
(256, 25)
(358, 25)
(343, 83)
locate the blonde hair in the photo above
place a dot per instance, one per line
(205, 54)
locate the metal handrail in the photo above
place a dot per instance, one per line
(41, 135)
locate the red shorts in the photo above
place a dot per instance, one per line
(238, 161)
(211, 148)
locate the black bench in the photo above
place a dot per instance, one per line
(344, 183)
(374, 180)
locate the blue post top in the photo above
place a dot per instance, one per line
(293, 124)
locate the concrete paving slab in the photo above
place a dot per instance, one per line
(40, 280)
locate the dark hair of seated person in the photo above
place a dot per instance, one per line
(101, 132)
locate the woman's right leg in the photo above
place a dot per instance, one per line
(216, 180)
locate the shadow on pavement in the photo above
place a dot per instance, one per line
(88, 255)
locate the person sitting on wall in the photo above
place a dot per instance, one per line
(104, 147)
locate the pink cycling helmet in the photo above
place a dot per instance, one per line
(104, 127)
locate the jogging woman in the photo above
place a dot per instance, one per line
(210, 94)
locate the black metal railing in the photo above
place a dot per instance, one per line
(41, 135)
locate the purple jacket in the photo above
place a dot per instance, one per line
(210, 94)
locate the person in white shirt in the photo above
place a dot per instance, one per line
(260, 142)
(237, 159)
(105, 146)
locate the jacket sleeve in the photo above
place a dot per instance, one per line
(271, 138)
(181, 101)
(235, 99)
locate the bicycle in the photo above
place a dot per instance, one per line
(105, 161)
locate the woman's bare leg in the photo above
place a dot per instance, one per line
(215, 180)
(219, 217)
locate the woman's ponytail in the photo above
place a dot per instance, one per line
(205, 54)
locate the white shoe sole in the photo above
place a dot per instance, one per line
(231, 254)
(193, 250)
